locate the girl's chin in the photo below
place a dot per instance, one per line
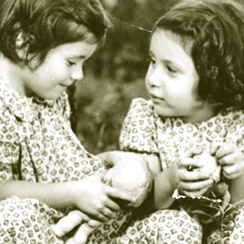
(161, 113)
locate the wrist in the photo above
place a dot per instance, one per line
(171, 177)
(74, 192)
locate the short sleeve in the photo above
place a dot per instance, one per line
(138, 128)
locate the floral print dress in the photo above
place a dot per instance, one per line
(38, 145)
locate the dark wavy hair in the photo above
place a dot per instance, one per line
(216, 28)
(46, 24)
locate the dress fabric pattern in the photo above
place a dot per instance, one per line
(144, 131)
(38, 145)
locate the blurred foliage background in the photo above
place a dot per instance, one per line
(115, 74)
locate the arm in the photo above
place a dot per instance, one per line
(236, 189)
(163, 190)
(57, 195)
(89, 195)
(153, 163)
(160, 196)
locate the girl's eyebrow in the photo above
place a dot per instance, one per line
(172, 62)
(175, 65)
(167, 61)
(78, 57)
(82, 56)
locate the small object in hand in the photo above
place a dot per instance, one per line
(191, 167)
(209, 165)
(131, 175)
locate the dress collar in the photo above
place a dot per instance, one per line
(215, 128)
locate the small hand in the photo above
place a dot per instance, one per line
(230, 158)
(97, 199)
(191, 180)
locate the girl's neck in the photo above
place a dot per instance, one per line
(204, 113)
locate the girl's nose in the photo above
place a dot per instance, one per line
(77, 73)
(153, 78)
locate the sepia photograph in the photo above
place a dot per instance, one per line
(122, 121)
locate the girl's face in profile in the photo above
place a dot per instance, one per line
(62, 67)
(172, 79)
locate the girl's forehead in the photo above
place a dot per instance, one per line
(184, 41)
(81, 49)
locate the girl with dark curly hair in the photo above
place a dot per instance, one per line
(44, 170)
(195, 83)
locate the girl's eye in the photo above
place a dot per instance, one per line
(70, 63)
(171, 69)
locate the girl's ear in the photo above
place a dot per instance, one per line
(22, 44)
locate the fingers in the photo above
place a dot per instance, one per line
(192, 176)
(111, 204)
(224, 150)
(196, 188)
(108, 214)
(188, 163)
(228, 160)
(103, 214)
(232, 171)
(115, 193)
(189, 170)
(194, 151)
(231, 160)
(214, 147)
(82, 215)
(195, 180)
(110, 207)
(101, 217)
(231, 176)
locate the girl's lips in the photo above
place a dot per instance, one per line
(64, 85)
(156, 98)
